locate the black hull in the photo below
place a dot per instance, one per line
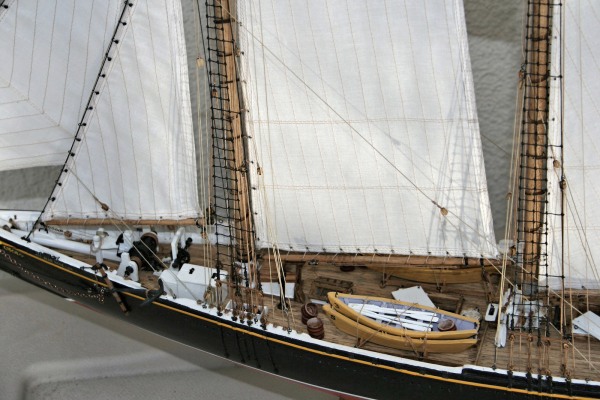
(321, 366)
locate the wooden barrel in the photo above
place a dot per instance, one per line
(315, 328)
(446, 325)
(308, 311)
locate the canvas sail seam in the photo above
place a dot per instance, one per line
(40, 111)
(574, 147)
(80, 132)
(405, 120)
(149, 175)
(343, 120)
(362, 98)
(270, 224)
(21, 99)
(4, 5)
(337, 219)
(388, 161)
(314, 92)
(580, 230)
(51, 65)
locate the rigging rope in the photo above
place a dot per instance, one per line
(443, 210)
(77, 138)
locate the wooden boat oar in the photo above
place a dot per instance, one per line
(415, 314)
(405, 323)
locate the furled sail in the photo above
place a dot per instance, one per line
(577, 111)
(136, 153)
(363, 128)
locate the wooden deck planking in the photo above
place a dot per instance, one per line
(547, 359)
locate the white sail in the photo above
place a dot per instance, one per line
(361, 116)
(50, 55)
(137, 153)
(578, 112)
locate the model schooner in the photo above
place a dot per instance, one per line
(339, 157)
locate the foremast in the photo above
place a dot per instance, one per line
(231, 200)
(534, 144)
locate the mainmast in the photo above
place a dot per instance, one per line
(534, 143)
(231, 199)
